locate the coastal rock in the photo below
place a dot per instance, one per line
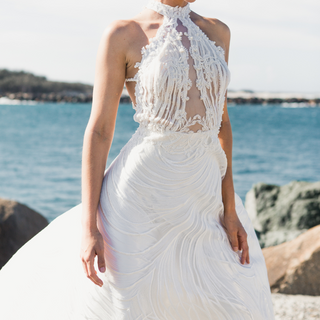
(294, 267)
(280, 214)
(18, 224)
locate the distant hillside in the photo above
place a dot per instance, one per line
(25, 85)
(20, 81)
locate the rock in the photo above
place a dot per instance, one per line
(294, 266)
(18, 224)
(280, 214)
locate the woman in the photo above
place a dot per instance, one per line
(170, 236)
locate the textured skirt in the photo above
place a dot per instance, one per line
(168, 255)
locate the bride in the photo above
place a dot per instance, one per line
(161, 233)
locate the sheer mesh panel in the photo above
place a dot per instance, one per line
(182, 77)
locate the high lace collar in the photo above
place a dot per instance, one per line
(169, 11)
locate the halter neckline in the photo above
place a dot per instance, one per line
(169, 11)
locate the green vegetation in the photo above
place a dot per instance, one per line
(20, 81)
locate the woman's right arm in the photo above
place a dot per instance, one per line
(108, 85)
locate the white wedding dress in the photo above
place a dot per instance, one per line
(168, 255)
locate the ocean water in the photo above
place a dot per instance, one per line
(41, 145)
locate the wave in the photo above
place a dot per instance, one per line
(7, 101)
(299, 105)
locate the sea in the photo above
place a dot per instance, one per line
(41, 146)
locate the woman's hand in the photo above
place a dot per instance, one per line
(92, 245)
(237, 235)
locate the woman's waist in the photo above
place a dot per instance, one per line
(164, 134)
(182, 151)
(195, 124)
(175, 142)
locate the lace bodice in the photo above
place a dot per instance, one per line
(182, 77)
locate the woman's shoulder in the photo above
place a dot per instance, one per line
(125, 38)
(120, 36)
(215, 29)
(121, 29)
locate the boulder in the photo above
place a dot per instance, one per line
(18, 224)
(294, 266)
(280, 214)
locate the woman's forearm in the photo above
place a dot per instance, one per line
(225, 137)
(95, 152)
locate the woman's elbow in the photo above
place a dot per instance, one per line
(102, 133)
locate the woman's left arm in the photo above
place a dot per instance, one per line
(235, 231)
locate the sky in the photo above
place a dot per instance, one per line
(275, 44)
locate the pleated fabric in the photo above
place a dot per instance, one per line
(168, 255)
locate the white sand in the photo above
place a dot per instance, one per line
(296, 307)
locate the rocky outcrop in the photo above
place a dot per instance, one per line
(285, 98)
(280, 214)
(294, 266)
(18, 224)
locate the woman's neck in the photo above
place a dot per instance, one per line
(173, 3)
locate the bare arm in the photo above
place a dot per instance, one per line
(234, 228)
(108, 85)
(225, 137)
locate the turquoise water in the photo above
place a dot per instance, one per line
(40, 149)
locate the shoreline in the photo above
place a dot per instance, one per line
(234, 97)
(17, 87)
(264, 98)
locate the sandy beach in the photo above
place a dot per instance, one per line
(296, 307)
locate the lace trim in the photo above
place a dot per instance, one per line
(169, 11)
(153, 98)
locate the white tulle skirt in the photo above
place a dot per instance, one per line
(168, 256)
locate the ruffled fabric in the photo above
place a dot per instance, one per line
(168, 255)
(161, 210)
